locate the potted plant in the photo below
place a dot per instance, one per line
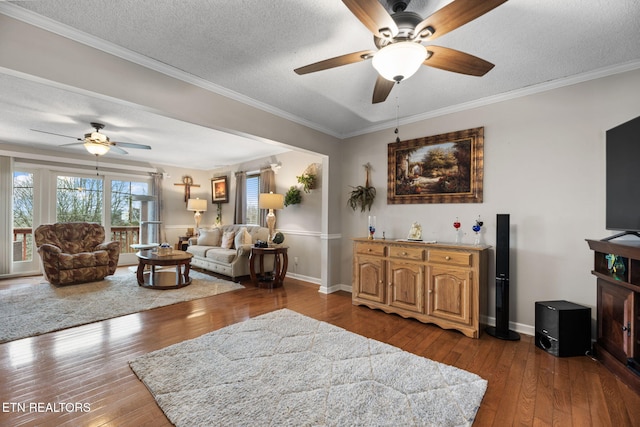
(293, 196)
(363, 196)
(308, 181)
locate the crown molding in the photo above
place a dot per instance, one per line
(76, 35)
(518, 93)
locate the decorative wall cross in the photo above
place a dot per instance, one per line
(187, 181)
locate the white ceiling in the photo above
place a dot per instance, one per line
(248, 49)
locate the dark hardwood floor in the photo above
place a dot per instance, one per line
(88, 364)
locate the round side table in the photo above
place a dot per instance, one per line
(275, 276)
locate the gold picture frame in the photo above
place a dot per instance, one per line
(219, 190)
(446, 168)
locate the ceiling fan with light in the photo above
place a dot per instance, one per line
(98, 143)
(399, 37)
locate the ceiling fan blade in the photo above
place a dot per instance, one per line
(457, 62)
(338, 61)
(382, 89)
(132, 145)
(57, 134)
(72, 143)
(454, 15)
(117, 150)
(374, 16)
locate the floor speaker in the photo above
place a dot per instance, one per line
(563, 328)
(501, 330)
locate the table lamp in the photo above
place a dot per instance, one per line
(199, 206)
(271, 201)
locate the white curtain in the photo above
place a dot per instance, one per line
(158, 234)
(6, 216)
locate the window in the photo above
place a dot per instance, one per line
(252, 195)
(126, 213)
(124, 210)
(22, 216)
(79, 199)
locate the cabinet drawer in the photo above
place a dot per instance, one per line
(453, 258)
(406, 253)
(370, 249)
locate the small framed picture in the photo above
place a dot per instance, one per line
(219, 190)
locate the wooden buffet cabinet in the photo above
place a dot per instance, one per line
(618, 307)
(444, 284)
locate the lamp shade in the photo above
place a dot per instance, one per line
(271, 201)
(96, 148)
(399, 61)
(198, 205)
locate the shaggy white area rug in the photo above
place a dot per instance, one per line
(283, 368)
(36, 309)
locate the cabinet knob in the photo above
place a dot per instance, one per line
(404, 253)
(369, 250)
(447, 257)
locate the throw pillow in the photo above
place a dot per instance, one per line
(210, 237)
(227, 239)
(243, 238)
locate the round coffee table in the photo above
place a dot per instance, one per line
(163, 279)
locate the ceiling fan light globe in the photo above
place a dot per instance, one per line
(399, 61)
(96, 148)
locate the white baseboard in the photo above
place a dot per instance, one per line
(314, 280)
(335, 288)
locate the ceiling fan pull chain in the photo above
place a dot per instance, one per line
(397, 131)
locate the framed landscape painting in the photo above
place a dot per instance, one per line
(446, 168)
(219, 190)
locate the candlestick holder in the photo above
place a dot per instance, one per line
(372, 226)
(477, 227)
(456, 226)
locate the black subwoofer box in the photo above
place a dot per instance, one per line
(563, 328)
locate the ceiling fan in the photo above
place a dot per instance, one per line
(98, 143)
(399, 38)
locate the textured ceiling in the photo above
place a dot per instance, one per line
(248, 50)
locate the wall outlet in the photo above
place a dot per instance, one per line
(295, 260)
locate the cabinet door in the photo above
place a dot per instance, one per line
(369, 279)
(449, 294)
(615, 320)
(406, 285)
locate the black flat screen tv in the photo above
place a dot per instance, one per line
(623, 177)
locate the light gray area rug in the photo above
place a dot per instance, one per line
(283, 368)
(36, 309)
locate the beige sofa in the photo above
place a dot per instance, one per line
(218, 250)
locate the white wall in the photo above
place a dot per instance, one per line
(543, 165)
(301, 223)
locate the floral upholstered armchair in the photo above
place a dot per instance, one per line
(75, 252)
